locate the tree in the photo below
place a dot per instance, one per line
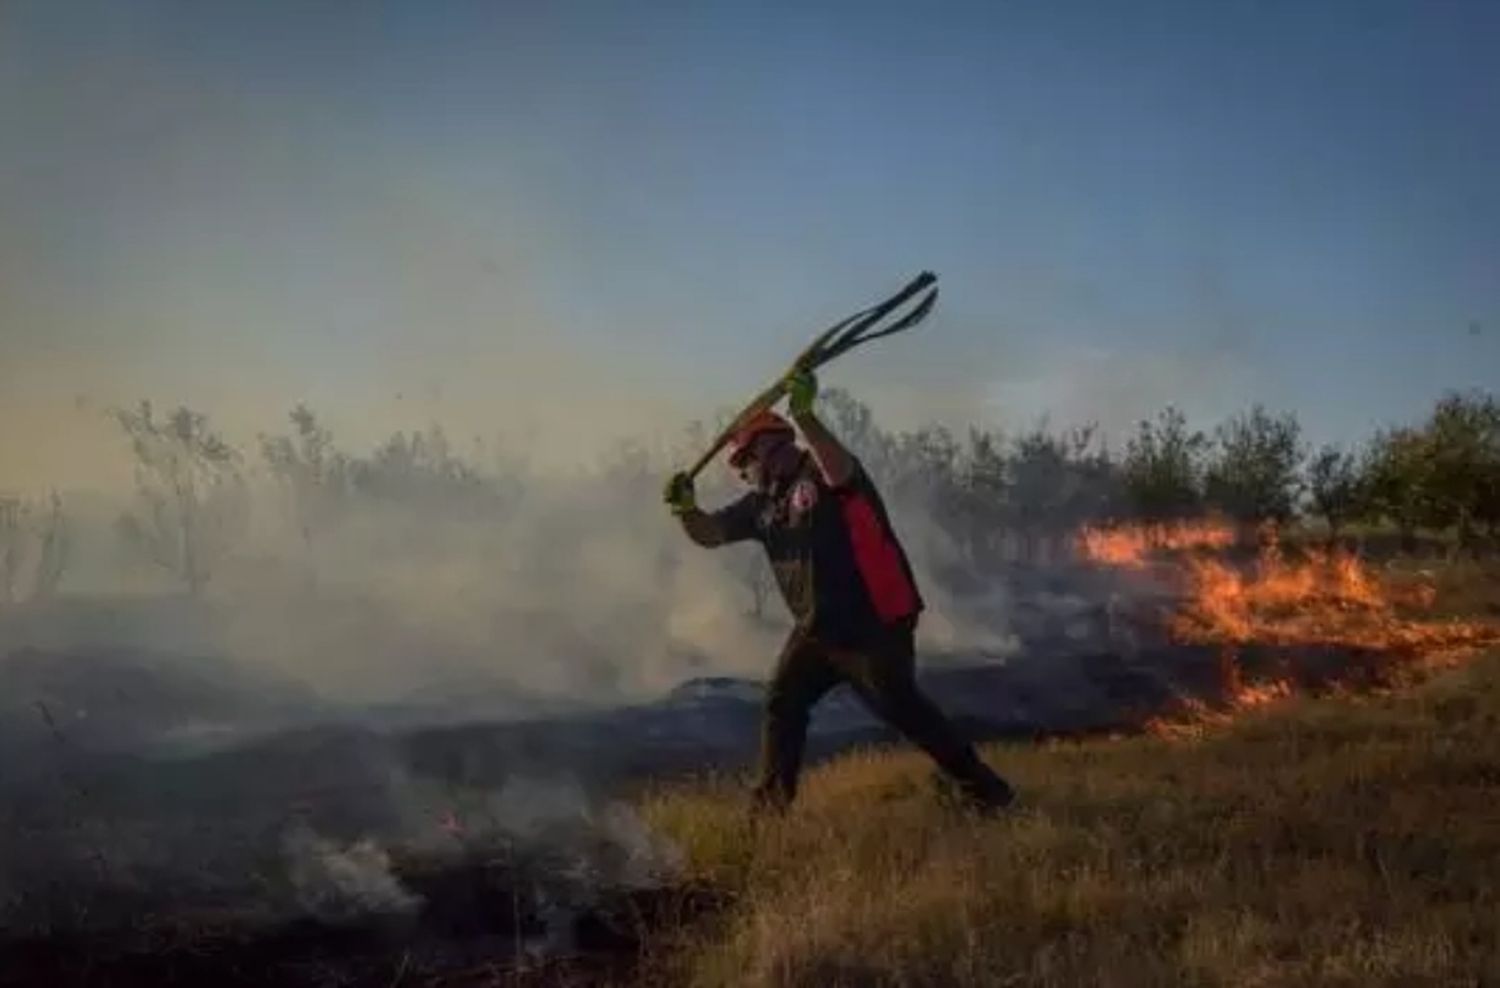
(1333, 484)
(1056, 484)
(1252, 475)
(418, 465)
(34, 547)
(192, 499)
(1462, 440)
(1395, 477)
(313, 473)
(922, 468)
(983, 507)
(1163, 468)
(421, 470)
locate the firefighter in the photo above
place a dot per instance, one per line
(849, 586)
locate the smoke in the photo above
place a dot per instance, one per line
(972, 621)
(329, 823)
(594, 843)
(577, 588)
(565, 853)
(242, 246)
(1116, 388)
(463, 580)
(339, 883)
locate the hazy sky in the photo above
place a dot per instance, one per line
(570, 221)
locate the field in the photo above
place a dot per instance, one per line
(1347, 839)
(1317, 805)
(1344, 840)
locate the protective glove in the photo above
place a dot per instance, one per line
(801, 392)
(679, 494)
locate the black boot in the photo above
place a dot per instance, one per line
(979, 790)
(987, 793)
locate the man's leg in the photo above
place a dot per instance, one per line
(884, 675)
(802, 676)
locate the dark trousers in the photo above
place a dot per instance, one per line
(883, 673)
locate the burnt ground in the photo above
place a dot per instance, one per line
(480, 923)
(329, 850)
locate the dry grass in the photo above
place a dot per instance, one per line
(1329, 842)
(1468, 588)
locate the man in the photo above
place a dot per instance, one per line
(847, 582)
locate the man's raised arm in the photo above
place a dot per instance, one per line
(834, 461)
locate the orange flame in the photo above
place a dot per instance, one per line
(1194, 717)
(1325, 598)
(1320, 598)
(1132, 545)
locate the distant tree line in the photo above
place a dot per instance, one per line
(999, 497)
(1024, 495)
(192, 496)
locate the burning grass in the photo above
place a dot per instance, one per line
(1344, 840)
(1349, 839)
(1320, 596)
(1297, 601)
(1134, 545)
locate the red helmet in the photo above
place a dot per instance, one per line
(760, 424)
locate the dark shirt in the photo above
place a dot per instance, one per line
(837, 561)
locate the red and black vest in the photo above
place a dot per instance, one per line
(836, 558)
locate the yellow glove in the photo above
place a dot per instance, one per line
(801, 392)
(679, 494)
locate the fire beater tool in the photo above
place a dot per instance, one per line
(836, 340)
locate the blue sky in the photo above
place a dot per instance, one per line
(614, 216)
